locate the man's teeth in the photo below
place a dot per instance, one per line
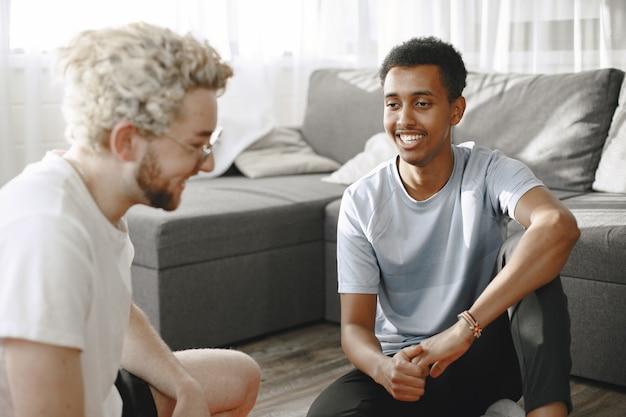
(411, 138)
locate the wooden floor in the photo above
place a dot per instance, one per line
(298, 364)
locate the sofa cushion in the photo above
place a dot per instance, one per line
(556, 124)
(338, 128)
(599, 252)
(229, 216)
(283, 151)
(611, 172)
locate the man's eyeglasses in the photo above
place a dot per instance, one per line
(206, 149)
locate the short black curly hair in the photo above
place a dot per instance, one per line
(429, 51)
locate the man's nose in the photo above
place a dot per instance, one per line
(406, 116)
(208, 164)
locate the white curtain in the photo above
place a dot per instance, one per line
(275, 44)
(7, 166)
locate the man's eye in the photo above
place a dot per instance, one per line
(422, 103)
(392, 105)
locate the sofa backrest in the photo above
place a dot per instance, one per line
(557, 124)
(344, 109)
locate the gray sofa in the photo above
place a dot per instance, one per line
(243, 257)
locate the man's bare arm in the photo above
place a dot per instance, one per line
(402, 379)
(44, 379)
(551, 233)
(146, 355)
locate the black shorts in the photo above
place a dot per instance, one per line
(136, 395)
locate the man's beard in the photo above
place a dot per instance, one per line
(147, 176)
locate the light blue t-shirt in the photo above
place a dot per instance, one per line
(427, 260)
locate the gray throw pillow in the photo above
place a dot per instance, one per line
(283, 151)
(344, 108)
(557, 124)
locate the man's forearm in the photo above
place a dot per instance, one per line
(538, 258)
(146, 355)
(362, 348)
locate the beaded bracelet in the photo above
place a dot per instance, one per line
(472, 323)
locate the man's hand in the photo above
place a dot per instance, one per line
(444, 348)
(402, 378)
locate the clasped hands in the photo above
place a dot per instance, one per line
(405, 373)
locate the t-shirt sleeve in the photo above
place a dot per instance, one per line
(509, 180)
(357, 270)
(45, 287)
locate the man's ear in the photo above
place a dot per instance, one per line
(124, 140)
(458, 109)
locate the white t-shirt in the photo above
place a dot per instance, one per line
(64, 277)
(427, 260)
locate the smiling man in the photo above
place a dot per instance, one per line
(141, 113)
(424, 295)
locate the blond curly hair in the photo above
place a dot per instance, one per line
(138, 72)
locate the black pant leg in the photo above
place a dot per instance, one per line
(354, 394)
(540, 327)
(541, 332)
(488, 371)
(136, 395)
